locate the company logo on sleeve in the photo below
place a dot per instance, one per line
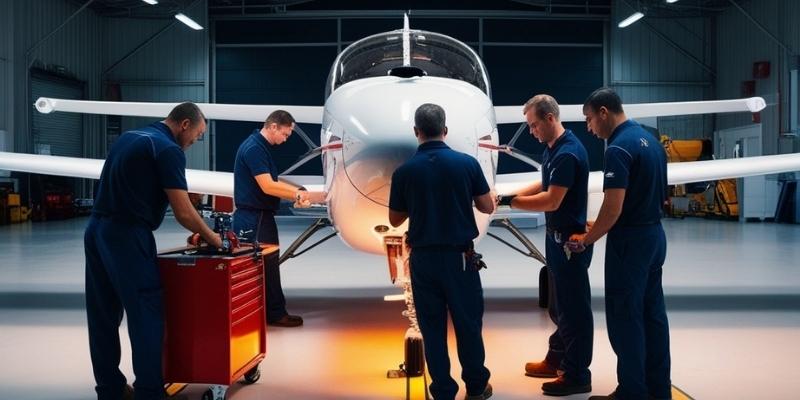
(610, 174)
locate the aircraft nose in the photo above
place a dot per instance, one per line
(371, 153)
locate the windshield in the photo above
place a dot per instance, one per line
(432, 54)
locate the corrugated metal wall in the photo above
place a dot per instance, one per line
(172, 67)
(657, 60)
(740, 43)
(76, 47)
(6, 80)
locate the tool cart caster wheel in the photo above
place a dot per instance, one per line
(215, 393)
(253, 375)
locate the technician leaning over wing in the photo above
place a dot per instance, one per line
(435, 190)
(144, 171)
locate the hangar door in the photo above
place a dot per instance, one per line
(58, 134)
(289, 64)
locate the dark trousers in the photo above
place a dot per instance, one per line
(635, 313)
(570, 309)
(122, 274)
(262, 223)
(441, 283)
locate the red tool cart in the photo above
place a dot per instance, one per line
(215, 327)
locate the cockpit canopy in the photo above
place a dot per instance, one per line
(431, 54)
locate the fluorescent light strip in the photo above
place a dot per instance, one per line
(188, 21)
(151, 2)
(672, 1)
(633, 18)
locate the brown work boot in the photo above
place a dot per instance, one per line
(541, 369)
(563, 387)
(483, 396)
(288, 321)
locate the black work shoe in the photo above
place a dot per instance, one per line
(541, 369)
(611, 396)
(483, 396)
(563, 387)
(127, 392)
(288, 321)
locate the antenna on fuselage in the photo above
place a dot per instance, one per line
(406, 42)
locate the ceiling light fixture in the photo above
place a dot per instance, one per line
(628, 21)
(151, 2)
(188, 21)
(672, 1)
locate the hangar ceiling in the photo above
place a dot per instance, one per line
(167, 8)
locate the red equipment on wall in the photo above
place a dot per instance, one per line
(215, 326)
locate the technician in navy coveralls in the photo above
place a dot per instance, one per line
(562, 195)
(635, 186)
(435, 189)
(257, 193)
(143, 173)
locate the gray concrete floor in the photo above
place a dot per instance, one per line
(733, 294)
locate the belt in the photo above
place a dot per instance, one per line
(560, 235)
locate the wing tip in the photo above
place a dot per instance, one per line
(44, 105)
(756, 104)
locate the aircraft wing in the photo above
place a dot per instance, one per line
(199, 181)
(231, 112)
(574, 112)
(677, 173)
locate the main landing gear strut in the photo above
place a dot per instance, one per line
(414, 364)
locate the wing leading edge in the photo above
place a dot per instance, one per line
(199, 181)
(574, 112)
(677, 173)
(231, 112)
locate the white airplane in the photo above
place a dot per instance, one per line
(373, 89)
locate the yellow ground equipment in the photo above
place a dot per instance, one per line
(703, 199)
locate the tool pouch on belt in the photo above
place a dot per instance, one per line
(473, 260)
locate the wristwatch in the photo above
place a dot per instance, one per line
(297, 195)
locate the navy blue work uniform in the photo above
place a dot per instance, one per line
(566, 164)
(436, 188)
(121, 265)
(635, 250)
(255, 213)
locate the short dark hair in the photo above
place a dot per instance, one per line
(279, 117)
(429, 119)
(187, 110)
(604, 97)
